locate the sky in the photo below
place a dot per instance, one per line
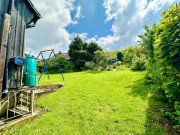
(113, 24)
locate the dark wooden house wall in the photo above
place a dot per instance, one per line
(21, 14)
(4, 27)
(3, 10)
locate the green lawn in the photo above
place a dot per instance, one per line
(95, 103)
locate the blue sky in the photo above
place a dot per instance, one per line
(113, 24)
(92, 20)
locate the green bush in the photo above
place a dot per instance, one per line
(120, 56)
(139, 63)
(129, 54)
(109, 68)
(89, 65)
(162, 44)
(65, 65)
(81, 52)
(101, 59)
(118, 64)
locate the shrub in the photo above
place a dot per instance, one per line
(101, 59)
(162, 44)
(80, 52)
(109, 68)
(129, 54)
(65, 65)
(118, 64)
(139, 63)
(120, 56)
(89, 65)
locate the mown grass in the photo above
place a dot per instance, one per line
(97, 103)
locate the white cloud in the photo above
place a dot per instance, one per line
(83, 36)
(50, 31)
(115, 7)
(78, 15)
(129, 17)
(107, 42)
(78, 12)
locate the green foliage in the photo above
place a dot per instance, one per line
(101, 59)
(76, 52)
(76, 45)
(89, 65)
(40, 64)
(84, 55)
(135, 57)
(109, 68)
(120, 56)
(139, 63)
(148, 40)
(66, 65)
(162, 44)
(169, 39)
(118, 64)
(81, 52)
(129, 54)
(113, 54)
(93, 47)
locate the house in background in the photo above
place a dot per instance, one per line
(65, 55)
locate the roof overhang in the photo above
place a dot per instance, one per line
(37, 15)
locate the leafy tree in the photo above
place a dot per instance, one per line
(162, 44)
(89, 65)
(139, 63)
(85, 46)
(169, 39)
(75, 46)
(81, 52)
(93, 47)
(129, 54)
(168, 52)
(101, 59)
(86, 56)
(120, 56)
(52, 67)
(148, 41)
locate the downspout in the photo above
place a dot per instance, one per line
(8, 51)
(10, 7)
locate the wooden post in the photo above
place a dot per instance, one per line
(32, 102)
(3, 46)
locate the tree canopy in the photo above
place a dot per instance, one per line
(81, 52)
